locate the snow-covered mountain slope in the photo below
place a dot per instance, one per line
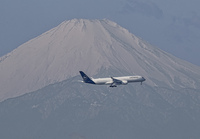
(96, 47)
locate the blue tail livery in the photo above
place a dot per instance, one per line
(112, 81)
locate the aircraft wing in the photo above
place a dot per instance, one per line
(115, 82)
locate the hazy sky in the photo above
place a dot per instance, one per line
(173, 25)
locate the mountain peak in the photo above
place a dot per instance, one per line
(96, 47)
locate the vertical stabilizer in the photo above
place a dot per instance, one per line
(86, 79)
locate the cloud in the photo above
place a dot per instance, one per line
(145, 8)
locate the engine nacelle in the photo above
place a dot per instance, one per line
(124, 82)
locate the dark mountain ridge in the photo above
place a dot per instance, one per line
(96, 47)
(166, 105)
(63, 109)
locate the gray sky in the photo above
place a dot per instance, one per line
(173, 25)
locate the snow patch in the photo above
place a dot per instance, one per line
(92, 46)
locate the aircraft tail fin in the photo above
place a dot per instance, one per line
(86, 79)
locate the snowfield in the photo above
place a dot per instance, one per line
(98, 47)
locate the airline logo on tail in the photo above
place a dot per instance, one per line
(86, 79)
(112, 81)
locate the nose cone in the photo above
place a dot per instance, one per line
(143, 79)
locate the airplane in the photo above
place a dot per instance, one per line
(112, 81)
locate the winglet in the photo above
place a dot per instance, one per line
(86, 79)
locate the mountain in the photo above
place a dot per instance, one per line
(73, 110)
(41, 96)
(98, 47)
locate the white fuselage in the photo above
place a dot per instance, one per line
(112, 81)
(125, 79)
